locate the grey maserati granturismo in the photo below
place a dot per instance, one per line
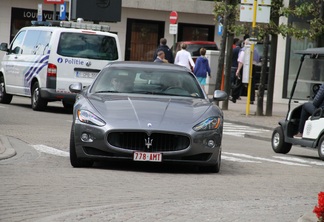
(145, 111)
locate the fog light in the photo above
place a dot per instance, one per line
(85, 137)
(211, 143)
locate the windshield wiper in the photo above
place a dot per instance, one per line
(107, 91)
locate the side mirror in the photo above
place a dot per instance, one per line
(219, 95)
(75, 87)
(4, 47)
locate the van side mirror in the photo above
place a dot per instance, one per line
(4, 47)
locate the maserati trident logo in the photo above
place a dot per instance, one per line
(148, 142)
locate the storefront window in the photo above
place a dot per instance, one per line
(312, 71)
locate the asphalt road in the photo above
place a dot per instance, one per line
(254, 183)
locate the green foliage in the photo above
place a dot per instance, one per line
(306, 10)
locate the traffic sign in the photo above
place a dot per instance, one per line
(63, 11)
(173, 29)
(173, 17)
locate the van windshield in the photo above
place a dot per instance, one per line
(89, 46)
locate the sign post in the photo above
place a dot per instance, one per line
(173, 30)
(54, 2)
(40, 13)
(248, 6)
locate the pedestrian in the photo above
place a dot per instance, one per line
(308, 109)
(202, 68)
(167, 51)
(161, 57)
(183, 58)
(235, 41)
(236, 83)
(240, 60)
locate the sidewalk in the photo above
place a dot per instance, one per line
(236, 113)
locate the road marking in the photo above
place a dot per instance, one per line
(265, 159)
(50, 150)
(299, 160)
(227, 156)
(234, 159)
(240, 130)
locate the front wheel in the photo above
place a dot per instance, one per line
(74, 160)
(214, 168)
(37, 102)
(320, 148)
(4, 97)
(278, 141)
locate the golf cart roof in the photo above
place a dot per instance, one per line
(311, 51)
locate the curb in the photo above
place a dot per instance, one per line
(6, 150)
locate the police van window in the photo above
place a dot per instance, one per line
(43, 43)
(89, 46)
(30, 42)
(16, 44)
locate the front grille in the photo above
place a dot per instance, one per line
(156, 142)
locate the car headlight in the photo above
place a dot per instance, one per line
(90, 118)
(211, 123)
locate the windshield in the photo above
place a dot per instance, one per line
(82, 45)
(194, 49)
(311, 74)
(147, 81)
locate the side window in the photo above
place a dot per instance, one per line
(16, 44)
(30, 42)
(43, 43)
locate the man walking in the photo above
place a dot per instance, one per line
(167, 51)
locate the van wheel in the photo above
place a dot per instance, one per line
(75, 162)
(4, 97)
(67, 105)
(320, 148)
(278, 141)
(38, 103)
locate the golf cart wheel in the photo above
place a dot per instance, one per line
(320, 148)
(278, 141)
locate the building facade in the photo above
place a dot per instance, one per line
(144, 22)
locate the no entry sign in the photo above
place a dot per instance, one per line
(173, 17)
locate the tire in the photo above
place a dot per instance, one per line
(212, 169)
(320, 148)
(38, 103)
(4, 97)
(278, 141)
(75, 162)
(68, 106)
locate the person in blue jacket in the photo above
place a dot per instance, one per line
(202, 68)
(308, 109)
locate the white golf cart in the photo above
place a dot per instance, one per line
(308, 83)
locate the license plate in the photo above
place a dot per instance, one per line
(83, 74)
(152, 157)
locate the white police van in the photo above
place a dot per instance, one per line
(44, 59)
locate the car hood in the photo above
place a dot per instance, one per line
(139, 111)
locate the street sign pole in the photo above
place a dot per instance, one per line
(174, 26)
(255, 5)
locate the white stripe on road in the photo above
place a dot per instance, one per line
(234, 157)
(264, 159)
(50, 150)
(299, 160)
(240, 130)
